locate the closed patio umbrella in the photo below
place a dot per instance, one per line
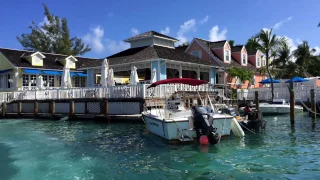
(111, 78)
(39, 82)
(154, 76)
(66, 78)
(134, 79)
(104, 72)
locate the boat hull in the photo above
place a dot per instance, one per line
(170, 130)
(271, 109)
(181, 129)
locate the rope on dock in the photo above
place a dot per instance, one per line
(247, 128)
(308, 109)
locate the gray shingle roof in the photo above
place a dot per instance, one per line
(16, 57)
(236, 48)
(153, 52)
(149, 34)
(209, 44)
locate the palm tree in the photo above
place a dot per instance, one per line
(282, 57)
(267, 43)
(231, 43)
(304, 56)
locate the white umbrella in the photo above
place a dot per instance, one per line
(111, 78)
(134, 79)
(154, 75)
(104, 72)
(66, 78)
(39, 82)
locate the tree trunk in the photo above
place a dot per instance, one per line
(270, 76)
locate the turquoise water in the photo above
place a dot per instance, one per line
(33, 149)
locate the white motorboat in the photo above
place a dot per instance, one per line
(278, 106)
(175, 122)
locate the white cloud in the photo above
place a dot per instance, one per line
(277, 25)
(94, 39)
(134, 31)
(44, 21)
(317, 48)
(204, 20)
(116, 46)
(110, 14)
(166, 31)
(215, 35)
(298, 41)
(185, 28)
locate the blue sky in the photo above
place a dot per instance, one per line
(104, 24)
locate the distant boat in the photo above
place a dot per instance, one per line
(278, 106)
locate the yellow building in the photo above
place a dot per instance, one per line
(19, 69)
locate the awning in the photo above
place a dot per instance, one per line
(82, 74)
(52, 72)
(32, 71)
(73, 74)
(4, 71)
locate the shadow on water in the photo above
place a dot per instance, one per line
(7, 170)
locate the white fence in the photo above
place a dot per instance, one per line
(302, 93)
(123, 91)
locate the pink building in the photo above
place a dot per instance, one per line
(220, 53)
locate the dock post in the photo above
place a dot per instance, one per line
(256, 96)
(85, 107)
(71, 111)
(35, 110)
(105, 108)
(52, 108)
(313, 107)
(292, 104)
(4, 109)
(19, 109)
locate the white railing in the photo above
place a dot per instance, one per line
(301, 92)
(122, 91)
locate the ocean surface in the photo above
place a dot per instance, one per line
(34, 149)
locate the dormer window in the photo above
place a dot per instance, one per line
(264, 62)
(227, 55)
(37, 59)
(258, 61)
(244, 59)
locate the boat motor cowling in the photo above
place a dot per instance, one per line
(202, 125)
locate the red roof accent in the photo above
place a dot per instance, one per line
(189, 81)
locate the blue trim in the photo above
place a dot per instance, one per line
(163, 70)
(82, 74)
(32, 71)
(73, 74)
(4, 71)
(51, 72)
(90, 78)
(212, 75)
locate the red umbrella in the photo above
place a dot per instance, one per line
(189, 81)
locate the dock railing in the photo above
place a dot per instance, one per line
(301, 92)
(119, 91)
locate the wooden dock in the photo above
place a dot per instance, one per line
(75, 109)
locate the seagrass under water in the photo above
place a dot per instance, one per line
(88, 150)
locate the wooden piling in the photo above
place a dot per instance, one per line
(292, 104)
(86, 107)
(71, 111)
(313, 106)
(35, 109)
(19, 109)
(106, 108)
(256, 97)
(4, 109)
(52, 108)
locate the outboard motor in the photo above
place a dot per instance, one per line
(202, 126)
